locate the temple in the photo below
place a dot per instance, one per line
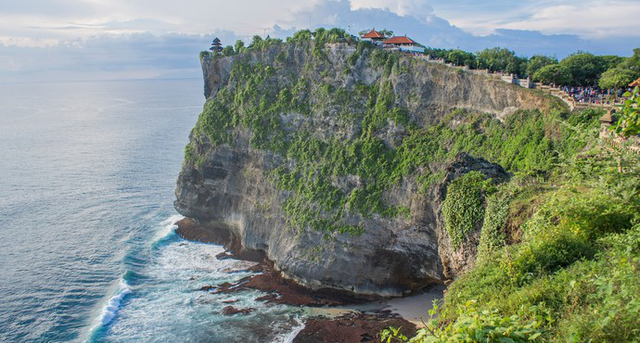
(216, 46)
(374, 37)
(404, 44)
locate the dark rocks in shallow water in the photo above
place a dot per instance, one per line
(232, 301)
(230, 310)
(224, 288)
(224, 256)
(268, 298)
(206, 288)
(352, 327)
(285, 291)
(190, 229)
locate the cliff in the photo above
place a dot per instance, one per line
(335, 159)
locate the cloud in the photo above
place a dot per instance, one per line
(105, 57)
(584, 18)
(437, 32)
(587, 19)
(108, 39)
(418, 9)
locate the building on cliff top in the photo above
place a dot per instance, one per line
(404, 44)
(216, 45)
(374, 37)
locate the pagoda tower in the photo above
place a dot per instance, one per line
(216, 46)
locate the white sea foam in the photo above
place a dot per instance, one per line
(110, 308)
(169, 226)
(113, 305)
(172, 219)
(296, 330)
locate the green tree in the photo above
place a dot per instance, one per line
(628, 123)
(500, 59)
(256, 43)
(436, 53)
(616, 78)
(609, 61)
(554, 73)
(460, 58)
(633, 62)
(239, 47)
(227, 51)
(386, 33)
(585, 68)
(537, 62)
(301, 36)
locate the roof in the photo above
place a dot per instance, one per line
(400, 40)
(216, 40)
(635, 83)
(373, 34)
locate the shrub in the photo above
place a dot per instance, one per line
(492, 236)
(463, 207)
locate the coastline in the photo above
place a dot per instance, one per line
(332, 316)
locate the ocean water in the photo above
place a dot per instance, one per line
(87, 244)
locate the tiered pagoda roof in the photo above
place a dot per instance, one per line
(216, 45)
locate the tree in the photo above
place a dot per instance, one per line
(616, 78)
(301, 36)
(239, 47)
(628, 123)
(632, 63)
(585, 68)
(436, 53)
(499, 59)
(609, 61)
(554, 73)
(537, 62)
(227, 51)
(386, 33)
(256, 43)
(461, 58)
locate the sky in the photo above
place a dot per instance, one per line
(132, 39)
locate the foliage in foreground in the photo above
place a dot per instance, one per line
(628, 123)
(572, 276)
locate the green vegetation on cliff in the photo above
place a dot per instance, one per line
(279, 113)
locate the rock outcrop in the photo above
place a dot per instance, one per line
(228, 187)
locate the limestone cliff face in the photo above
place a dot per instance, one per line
(227, 185)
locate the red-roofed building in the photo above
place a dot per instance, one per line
(374, 37)
(403, 43)
(400, 40)
(635, 83)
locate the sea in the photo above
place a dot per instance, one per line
(88, 250)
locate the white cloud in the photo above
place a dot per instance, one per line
(584, 18)
(161, 38)
(419, 9)
(587, 19)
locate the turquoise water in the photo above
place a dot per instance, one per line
(88, 251)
